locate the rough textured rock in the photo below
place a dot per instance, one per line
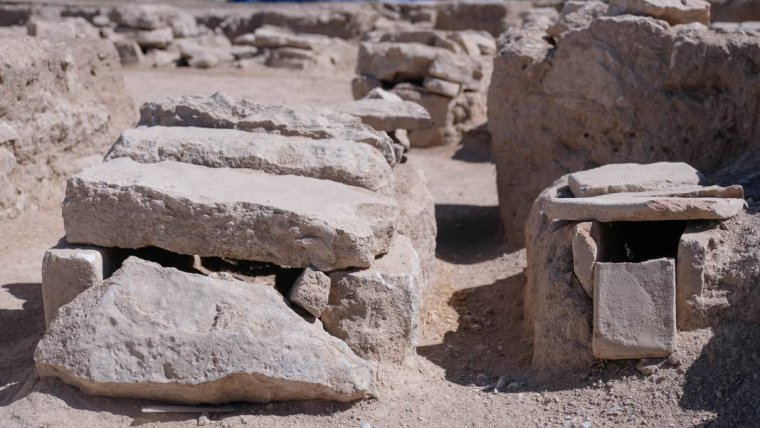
(493, 17)
(643, 206)
(600, 100)
(417, 213)
(221, 111)
(190, 209)
(558, 312)
(586, 253)
(673, 11)
(361, 86)
(311, 291)
(396, 61)
(62, 98)
(342, 161)
(62, 29)
(159, 38)
(387, 115)
(129, 51)
(442, 87)
(577, 14)
(154, 17)
(634, 309)
(631, 177)
(376, 311)
(274, 37)
(198, 340)
(68, 270)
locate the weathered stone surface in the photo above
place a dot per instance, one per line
(311, 291)
(673, 11)
(586, 253)
(190, 209)
(417, 213)
(362, 85)
(577, 14)
(634, 309)
(129, 51)
(587, 91)
(631, 177)
(154, 17)
(162, 58)
(221, 111)
(387, 115)
(457, 68)
(396, 62)
(62, 29)
(342, 161)
(643, 206)
(379, 93)
(558, 312)
(159, 38)
(376, 311)
(440, 109)
(441, 87)
(274, 37)
(68, 270)
(158, 333)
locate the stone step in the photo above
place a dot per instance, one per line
(190, 209)
(337, 160)
(222, 111)
(158, 333)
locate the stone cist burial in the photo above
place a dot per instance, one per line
(227, 250)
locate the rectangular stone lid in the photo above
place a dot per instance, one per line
(690, 203)
(631, 177)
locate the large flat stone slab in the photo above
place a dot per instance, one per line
(644, 206)
(634, 309)
(387, 115)
(631, 177)
(376, 310)
(161, 334)
(241, 214)
(337, 160)
(222, 111)
(673, 11)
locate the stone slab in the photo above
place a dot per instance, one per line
(673, 11)
(634, 309)
(311, 291)
(631, 177)
(643, 206)
(222, 111)
(236, 213)
(586, 253)
(337, 160)
(387, 115)
(158, 333)
(376, 310)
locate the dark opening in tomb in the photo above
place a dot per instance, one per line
(638, 241)
(165, 258)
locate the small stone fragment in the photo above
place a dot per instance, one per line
(586, 253)
(311, 291)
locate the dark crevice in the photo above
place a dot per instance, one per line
(638, 241)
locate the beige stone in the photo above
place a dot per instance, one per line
(396, 61)
(634, 309)
(160, 334)
(362, 85)
(274, 37)
(311, 291)
(631, 177)
(236, 213)
(643, 206)
(586, 253)
(387, 115)
(442, 87)
(341, 161)
(62, 29)
(673, 11)
(68, 270)
(221, 111)
(159, 38)
(376, 310)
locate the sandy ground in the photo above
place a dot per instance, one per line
(472, 332)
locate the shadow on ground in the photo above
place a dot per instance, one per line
(490, 340)
(475, 146)
(20, 330)
(725, 378)
(468, 234)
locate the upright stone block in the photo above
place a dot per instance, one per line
(68, 270)
(634, 309)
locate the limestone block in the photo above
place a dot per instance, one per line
(586, 253)
(673, 11)
(387, 115)
(311, 291)
(632, 177)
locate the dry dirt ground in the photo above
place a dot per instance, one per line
(472, 336)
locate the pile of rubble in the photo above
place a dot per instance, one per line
(621, 256)
(601, 99)
(444, 71)
(227, 250)
(59, 101)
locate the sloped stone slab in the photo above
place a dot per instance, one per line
(221, 111)
(158, 333)
(634, 309)
(642, 206)
(387, 115)
(337, 160)
(242, 214)
(376, 310)
(631, 177)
